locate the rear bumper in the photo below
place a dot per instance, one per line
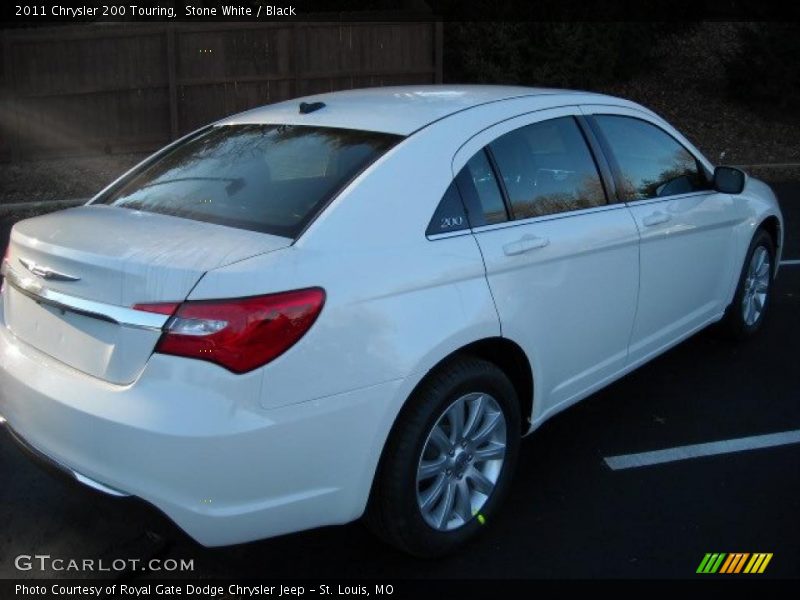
(192, 439)
(52, 464)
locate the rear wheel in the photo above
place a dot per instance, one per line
(449, 460)
(748, 310)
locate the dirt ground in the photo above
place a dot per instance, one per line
(61, 178)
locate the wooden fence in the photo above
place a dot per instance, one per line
(133, 87)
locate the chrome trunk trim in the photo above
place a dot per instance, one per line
(121, 315)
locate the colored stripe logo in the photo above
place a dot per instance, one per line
(734, 562)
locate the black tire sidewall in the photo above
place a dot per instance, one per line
(736, 319)
(436, 398)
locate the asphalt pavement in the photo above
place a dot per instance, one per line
(569, 515)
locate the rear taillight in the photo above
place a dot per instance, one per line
(239, 334)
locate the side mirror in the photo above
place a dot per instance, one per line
(729, 180)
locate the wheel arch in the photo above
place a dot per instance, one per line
(504, 353)
(510, 358)
(772, 226)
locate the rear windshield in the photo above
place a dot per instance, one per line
(268, 178)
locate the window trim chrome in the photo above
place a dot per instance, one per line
(449, 234)
(120, 315)
(657, 199)
(551, 217)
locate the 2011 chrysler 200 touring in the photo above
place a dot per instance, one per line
(359, 303)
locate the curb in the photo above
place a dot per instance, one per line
(41, 206)
(44, 204)
(769, 166)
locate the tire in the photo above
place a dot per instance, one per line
(739, 323)
(395, 511)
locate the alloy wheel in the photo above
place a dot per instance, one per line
(756, 286)
(461, 461)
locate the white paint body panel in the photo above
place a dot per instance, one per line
(694, 247)
(218, 452)
(570, 305)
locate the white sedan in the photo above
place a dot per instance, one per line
(360, 303)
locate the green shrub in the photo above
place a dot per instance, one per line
(560, 54)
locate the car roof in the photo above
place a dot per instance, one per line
(400, 110)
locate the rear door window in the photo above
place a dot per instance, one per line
(482, 193)
(268, 178)
(547, 168)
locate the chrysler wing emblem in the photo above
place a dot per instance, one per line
(46, 272)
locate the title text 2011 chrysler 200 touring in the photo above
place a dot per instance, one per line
(359, 303)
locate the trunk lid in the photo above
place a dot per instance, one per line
(110, 259)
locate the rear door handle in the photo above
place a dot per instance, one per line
(526, 244)
(656, 218)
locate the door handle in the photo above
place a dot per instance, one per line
(526, 244)
(656, 218)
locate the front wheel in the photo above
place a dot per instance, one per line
(751, 301)
(449, 459)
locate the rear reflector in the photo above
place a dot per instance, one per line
(162, 308)
(240, 334)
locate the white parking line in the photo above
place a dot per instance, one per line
(788, 263)
(657, 457)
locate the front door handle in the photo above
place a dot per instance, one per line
(656, 218)
(525, 244)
